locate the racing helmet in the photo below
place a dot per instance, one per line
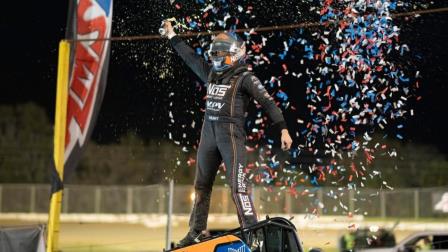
(225, 50)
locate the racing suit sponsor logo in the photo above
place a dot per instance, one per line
(260, 88)
(213, 118)
(215, 106)
(257, 82)
(217, 91)
(240, 249)
(241, 179)
(245, 202)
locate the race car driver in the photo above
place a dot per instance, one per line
(230, 87)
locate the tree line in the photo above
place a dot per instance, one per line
(26, 147)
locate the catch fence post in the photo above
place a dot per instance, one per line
(383, 204)
(97, 199)
(416, 204)
(32, 198)
(169, 214)
(129, 200)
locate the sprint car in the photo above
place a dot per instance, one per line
(271, 235)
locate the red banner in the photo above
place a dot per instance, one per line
(89, 25)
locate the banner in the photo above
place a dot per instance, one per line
(22, 238)
(89, 25)
(81, 82)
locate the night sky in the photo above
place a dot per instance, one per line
(136, 98)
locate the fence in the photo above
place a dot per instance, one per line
(403, 203)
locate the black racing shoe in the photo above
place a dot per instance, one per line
(191, 238)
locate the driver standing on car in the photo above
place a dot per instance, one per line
(230, 87)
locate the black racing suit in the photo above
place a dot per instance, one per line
(223, 135)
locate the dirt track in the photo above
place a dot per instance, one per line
(80, 237)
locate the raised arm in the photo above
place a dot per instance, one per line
(254, 88)
(193, 60)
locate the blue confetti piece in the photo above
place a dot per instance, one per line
(282, 95)
(193, 24)
(282, 55)
(404, 79)
(314, 181)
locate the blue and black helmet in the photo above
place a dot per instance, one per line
(226, 49)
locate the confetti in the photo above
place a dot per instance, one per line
(341, 83)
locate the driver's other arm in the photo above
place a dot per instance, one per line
(252, 85)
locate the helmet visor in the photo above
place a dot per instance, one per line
(220, 46)
(218, 54)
